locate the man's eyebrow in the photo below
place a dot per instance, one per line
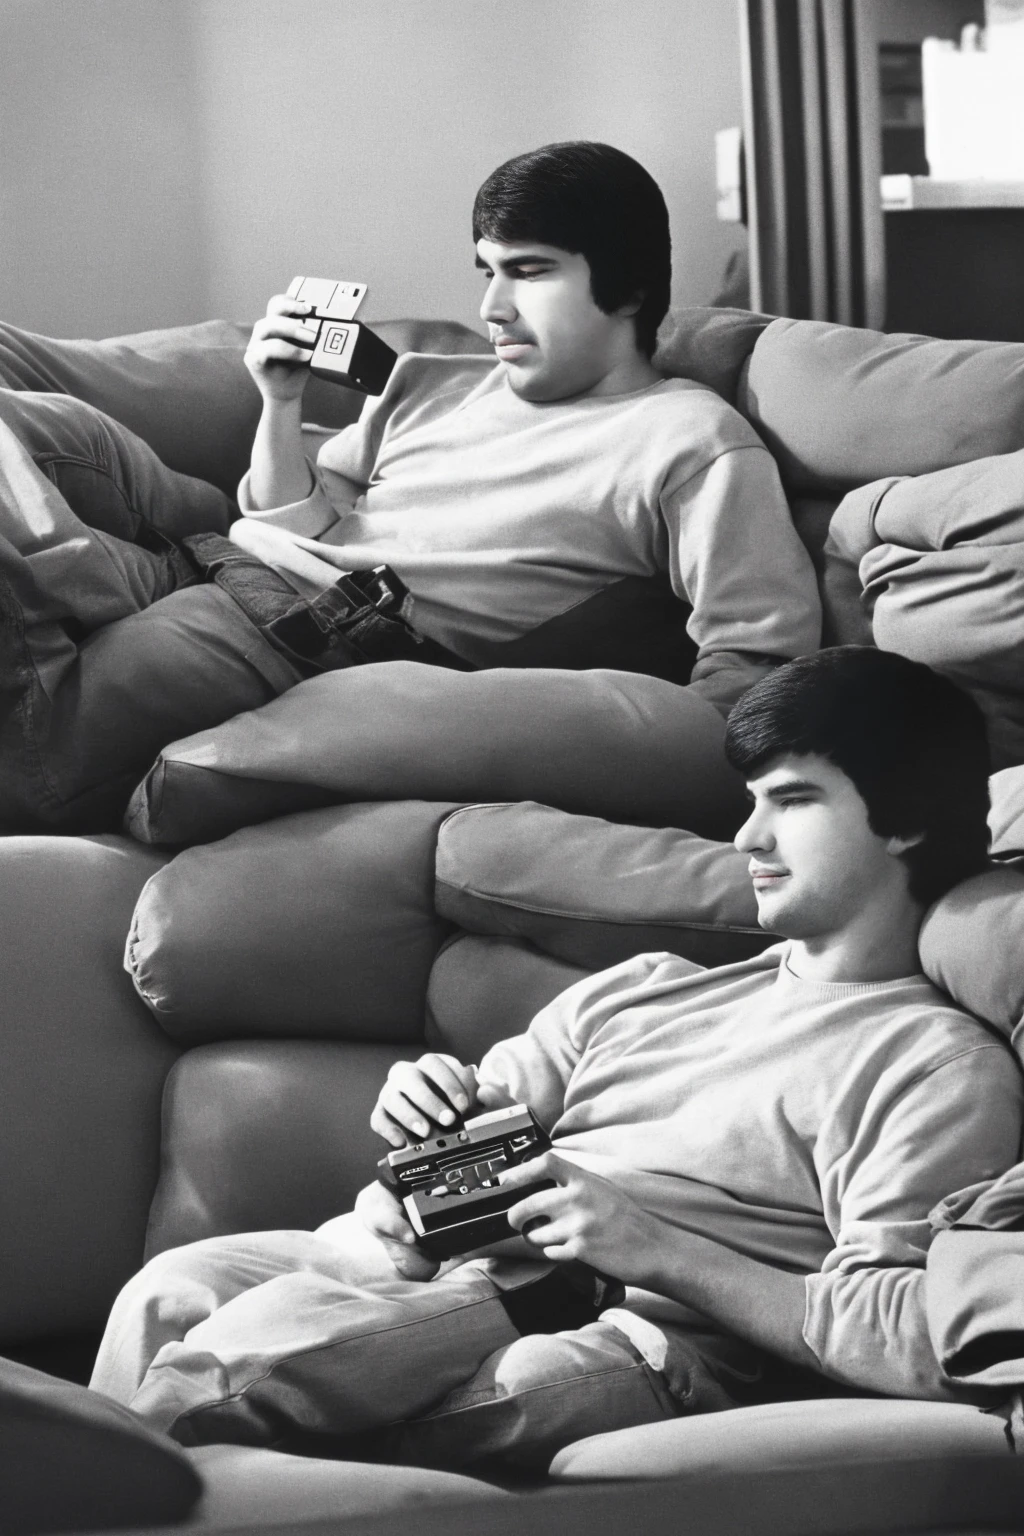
(525, 259)
(793, 786)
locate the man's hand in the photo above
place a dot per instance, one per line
(382, 1214)
(279, 349)
(427, 1095)
(584, 1217)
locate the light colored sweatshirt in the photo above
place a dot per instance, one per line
(500, 513)
(810, 1126)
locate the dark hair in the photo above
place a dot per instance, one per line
(913, 744)
(596, 201)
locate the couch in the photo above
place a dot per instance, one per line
(280, 960)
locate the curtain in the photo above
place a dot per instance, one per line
(813, 159)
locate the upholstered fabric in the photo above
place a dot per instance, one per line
(246, 1488)
(971, 946)
(593, 893)
(72, 1460)
(831, 402)
(185, 390)
(822, 1431)
(934, 564)
(82, 1072)
(318, 924)
(484, 989)
(612, 744)
(266, 1134)
(709, 345)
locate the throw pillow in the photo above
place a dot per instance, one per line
(601, 743)
(73, 1460)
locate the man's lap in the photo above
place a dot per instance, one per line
(316, 1334)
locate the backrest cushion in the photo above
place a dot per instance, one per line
(265, 1134)
(320, 924)
(73, 1460)
(972, 941)
(600, 743)
(486, 988)
(80, 1084)
(592, 893)
(709, 345)
(839, 406)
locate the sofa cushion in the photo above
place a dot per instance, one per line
(73, 1460)
(266, 1134)
(935, 564)
(601, 743)
(83, 1070)
(957, 948)
(971, 946)
(318, 924)
(591, 893)
(245, 1488)
(830, 402)
(485, 989)
(830, 1432)
(709, 345)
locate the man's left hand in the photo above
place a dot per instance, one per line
(583, 1217)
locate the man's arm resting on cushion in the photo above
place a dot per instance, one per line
(737, 559)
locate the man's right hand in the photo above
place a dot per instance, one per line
(381, 1213)
(276, 356)
(424, 1096)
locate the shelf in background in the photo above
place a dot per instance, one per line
(904, 194)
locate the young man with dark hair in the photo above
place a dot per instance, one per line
(752, 1150)
(519, 493)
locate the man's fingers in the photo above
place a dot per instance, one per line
(543, 1206)
(382, 1123)
(455, 1081)
(284, 304)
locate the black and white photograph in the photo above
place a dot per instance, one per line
(511, 767)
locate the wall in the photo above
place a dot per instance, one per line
(169, 161)
(101, 221)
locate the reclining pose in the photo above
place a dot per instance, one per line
(564, 505)
(752, 1150)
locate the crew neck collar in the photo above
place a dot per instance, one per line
(789, 978)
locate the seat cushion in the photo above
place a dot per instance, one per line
(245, 1488)
(593, 893)
(318, 924)
(827, 1431)
(959, 954)
(73, 1460)
(600, 743)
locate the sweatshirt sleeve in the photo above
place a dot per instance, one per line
(737, 559)
(865, 1316)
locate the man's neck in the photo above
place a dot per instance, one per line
(882, 946)
(632, 372)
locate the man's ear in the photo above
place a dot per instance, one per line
(898, 845)
(632, 305)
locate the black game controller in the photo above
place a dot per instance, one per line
(449, 1184)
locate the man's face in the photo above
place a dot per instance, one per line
(815, 862)
(545, 328)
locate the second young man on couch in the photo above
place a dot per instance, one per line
(554, 503)
(753, 1150)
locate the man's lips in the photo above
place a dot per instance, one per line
(510, 349)
(766, 877)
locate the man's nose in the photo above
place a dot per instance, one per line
(497, 307)
(754, 836)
